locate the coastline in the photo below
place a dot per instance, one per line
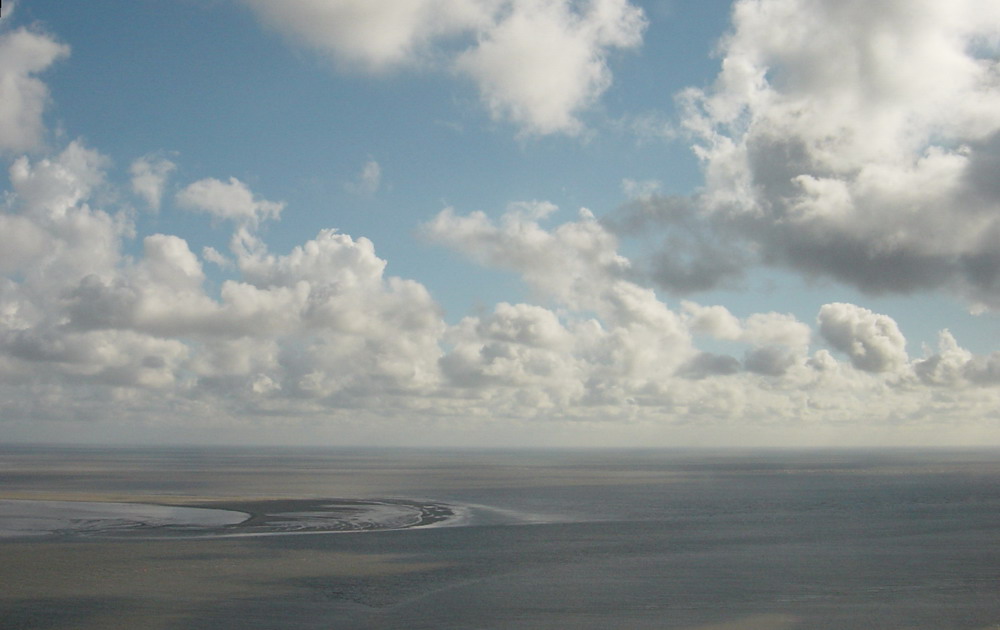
(28, 518)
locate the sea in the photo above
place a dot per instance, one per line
(577, 539)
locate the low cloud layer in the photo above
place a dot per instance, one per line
(322, 331)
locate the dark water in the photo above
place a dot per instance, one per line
(691, 540)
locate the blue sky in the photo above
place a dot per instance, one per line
(787, 202)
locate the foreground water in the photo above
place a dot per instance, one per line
(692, 540)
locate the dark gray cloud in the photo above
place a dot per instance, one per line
(706, 364)
(691, 254)
(770, 360)
(858, 145)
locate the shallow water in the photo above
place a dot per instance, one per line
(691, 540)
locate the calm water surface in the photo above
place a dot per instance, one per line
(692, 540)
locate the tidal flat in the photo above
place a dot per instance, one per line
(688, 540)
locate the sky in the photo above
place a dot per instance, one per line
(500, 222)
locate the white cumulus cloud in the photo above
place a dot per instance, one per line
(230, 200)
(149, 177)
(544, 61)
(871, 340)
(536, 63)
(859, 140)
(23, 96)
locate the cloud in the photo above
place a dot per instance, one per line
(149, 176)
(645, 189)
(374, 36)
(544, 62)
(955, 366)
(520, 348)
(536, 63)
(320, 331)
(693, 255)
(576, 264)
(777, 341)
(100, 323)
(770, 360)
(872, 341)
(716, 321)
(76, 316)
(631, 340)
(853, 141)
(368, 181)
(23, 97)
(53, 231)
(230, 200)
(706, 364)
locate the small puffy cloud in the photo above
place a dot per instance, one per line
(853, 141)
(525, 324)
(947, 366)
(331, 258)
(519, 345)
(537, 63)
(984, 370)
(648, 127)
(770, 360)
(168, 261)
(52, 185)
(543, 62)
(871, 340)
(230, 200)
(573, 262)
(577, 265)
(715, 321)
(777, 341)
(214, 256)
(643, 189)
(54, 232)
(149, 176)
(769, 329)
(954, 366)
(706, 364)
(23, 97)
(374, 36)
(694, 253)
(368, 180)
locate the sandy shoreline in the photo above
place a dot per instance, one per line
(23, 518)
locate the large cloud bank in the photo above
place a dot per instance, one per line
(100, 324)
(853, 140)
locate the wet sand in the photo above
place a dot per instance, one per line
(27, 518)
(332, 515)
